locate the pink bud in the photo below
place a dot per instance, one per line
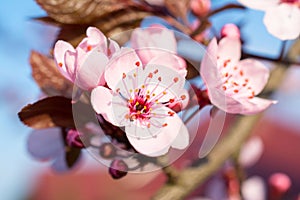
(230, 30)
(118, 169)
(73, 139)
(200, 7)
(279, 184)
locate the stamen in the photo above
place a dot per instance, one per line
(60, 64)
(175, 79)
(89, 47)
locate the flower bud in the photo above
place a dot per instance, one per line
(230, 30)
(200, 7)
(107, 150)
(118, 169)
(279, 184)
(73, 139)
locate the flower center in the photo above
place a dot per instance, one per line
(145, 93)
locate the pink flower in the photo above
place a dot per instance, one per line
(232, 84)
(85, 65)
(282, 17)
(153, 39)
(139, 99)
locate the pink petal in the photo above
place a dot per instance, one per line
(113, 47)
(213, 132)
(283, 21)
(89, 74)
(170, 60)
(209, 70)
(70, 63)
(174, 134)
(230, 48)
(101, 100)
(94, 38)
(153, 39)
(121, 63)
(259, 4)
(45, 143)
(255, 105)
(60, 49)
(243, 105)
(109, 105)
(256, 72)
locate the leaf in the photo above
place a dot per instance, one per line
(48, 77)
(72, 155)
(81, 11)
(122, 21)
(57, 111)
(48, 112)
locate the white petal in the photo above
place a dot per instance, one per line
(283, 21)
(259, 4)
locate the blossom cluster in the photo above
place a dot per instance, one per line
(135, 95)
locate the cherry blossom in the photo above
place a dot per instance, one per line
(282, 17)
(85, 65)
(139, 98)
(233, 84)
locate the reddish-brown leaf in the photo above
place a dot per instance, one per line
(48, 77)
(57, 111)
(81, 11)
(48, 112)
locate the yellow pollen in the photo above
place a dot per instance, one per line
(164, 92)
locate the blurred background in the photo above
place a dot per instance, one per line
(22, 177)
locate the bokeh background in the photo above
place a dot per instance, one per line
(22, 177)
